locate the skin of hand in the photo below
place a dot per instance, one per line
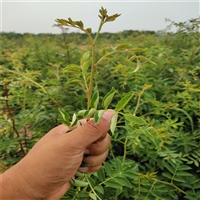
(44, 173)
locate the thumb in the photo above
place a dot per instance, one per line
(89, 132)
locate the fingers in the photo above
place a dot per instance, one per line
(99, 147)
(96, 160)
(90, 169)
(89, 132)
(98, 152)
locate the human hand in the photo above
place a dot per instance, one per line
(44, 173)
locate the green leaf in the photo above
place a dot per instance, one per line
(108, 98)
(85, 66)
(108, 169)
(113, 122)
(184, 167)
(65, 122)
(122, 46)
(74, 120)
(169, 167)
(64, 114)
(178, 179)
(138, 66)
(144, 58)
(136, 50)
(153, 137)
(118, 165)
(104, 51)
(133, 58)
(189, 117)
(78, 183)
(101, 174)
(131, 175)
(93, 196)
(99, 189)
(79, 24)
(134, 119)
(62, 22)
(103, 13)
(81, 113)
(74, 80)
(72, 68)
(95, 99)
(113, 184)
(148, 60)
(91, 180)
(196, 163)
(123, 102)
(183, 173)
(70, 21)
(167, 174)
(147, 86)
(123, 181)
(85, 56)
(157, 195)
(196, 185)
(79, 174)
(98, 115)
(89, 113)
(88, 30)
(112, 17)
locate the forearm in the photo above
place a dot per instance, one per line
(12, 186)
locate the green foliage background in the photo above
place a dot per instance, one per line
(155, 151)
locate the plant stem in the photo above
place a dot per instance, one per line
(89, 92)
(151, 188)
(92, 42)
(66, 44)
(138, 104)
(138, 101)
(92, 187)
(171, 184)
(99, 29)
(125, 151)
(12, 120)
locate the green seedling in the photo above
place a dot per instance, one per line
(154, 153)
(85, 77)
(88, 66)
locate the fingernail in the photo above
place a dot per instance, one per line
(86, 151)
(108, 114)
(83, 169)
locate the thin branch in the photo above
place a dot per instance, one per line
(66, 44)
(11, 116)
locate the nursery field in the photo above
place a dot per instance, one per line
(155, 150)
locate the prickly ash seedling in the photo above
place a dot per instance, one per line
(85, 77)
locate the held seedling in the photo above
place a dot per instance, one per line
(154, 153)
(84, 75)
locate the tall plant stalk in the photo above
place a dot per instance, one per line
(79, 25)
(93, 66)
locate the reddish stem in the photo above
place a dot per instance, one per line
(12, 120)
